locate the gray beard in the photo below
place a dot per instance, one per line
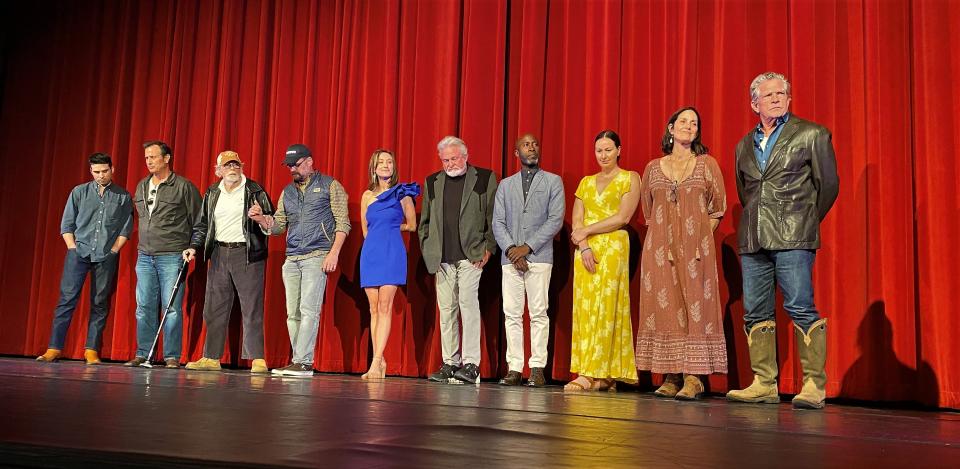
(459, 172)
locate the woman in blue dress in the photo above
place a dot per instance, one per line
(386, 209)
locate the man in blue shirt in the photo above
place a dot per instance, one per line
(96, 223)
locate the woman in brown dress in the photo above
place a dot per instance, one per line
(681, 328)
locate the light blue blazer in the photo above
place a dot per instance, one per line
(533, 222)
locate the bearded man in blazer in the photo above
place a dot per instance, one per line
(527, 215)
(456, 240)
(787, 181)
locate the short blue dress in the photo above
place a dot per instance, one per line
(383, 257)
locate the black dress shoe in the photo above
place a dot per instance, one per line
(468, 374)
(513, 378)
(444, 374)
(536, 378)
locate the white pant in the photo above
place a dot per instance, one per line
(535, 284)
(457, 300)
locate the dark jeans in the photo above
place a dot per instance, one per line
(229, 269)
(103, 279)
(793, 272)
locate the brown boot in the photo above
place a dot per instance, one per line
(670, 387)
(51, 355)
(692, 389)
(762, 342)
(812, 348)
(91, 357)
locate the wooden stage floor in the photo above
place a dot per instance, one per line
(67, 414)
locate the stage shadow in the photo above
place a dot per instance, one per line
(879, 375)
(732, 314)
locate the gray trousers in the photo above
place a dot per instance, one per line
(457, 300)
(305, 282)
(228, 270)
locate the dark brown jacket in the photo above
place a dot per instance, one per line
(784, 205)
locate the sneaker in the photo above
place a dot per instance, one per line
(137, 361)
(469, 374)
(295, 369)
(444, 374)
(204, 364)
(171, 363)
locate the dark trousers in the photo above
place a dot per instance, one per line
(230, 270)
(103, 279)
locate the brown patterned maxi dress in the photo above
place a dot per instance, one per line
(681, 324)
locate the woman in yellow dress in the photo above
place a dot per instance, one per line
(602, 337)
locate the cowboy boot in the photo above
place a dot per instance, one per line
(762, 342)
(812, 348)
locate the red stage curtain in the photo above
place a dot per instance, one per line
(346, 77)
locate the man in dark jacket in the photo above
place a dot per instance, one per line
(787, 182)
(167, 205)
(238, 249)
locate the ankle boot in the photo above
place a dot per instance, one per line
(692, 389)
(51, 355)
(812, 349)
(762, 342)
(670, 387)
(91, 357)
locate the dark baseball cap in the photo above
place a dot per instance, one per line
(294, 153)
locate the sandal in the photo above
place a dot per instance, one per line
(581, 384)
(670, 386)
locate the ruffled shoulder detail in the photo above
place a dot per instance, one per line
(409, 189)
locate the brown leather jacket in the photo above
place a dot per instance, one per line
(784, 205)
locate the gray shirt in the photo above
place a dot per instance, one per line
(96, 221)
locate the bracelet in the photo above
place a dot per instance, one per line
(585, 250)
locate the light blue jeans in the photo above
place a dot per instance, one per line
(305, 282)
(156, 276)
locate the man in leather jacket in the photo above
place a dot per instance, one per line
(237, 248)
(787, 181)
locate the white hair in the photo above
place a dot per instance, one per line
(755, 84)
(450, 141)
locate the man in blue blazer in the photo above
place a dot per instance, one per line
(527, 214)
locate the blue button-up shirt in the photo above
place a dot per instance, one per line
(763, 154)
(96, 221)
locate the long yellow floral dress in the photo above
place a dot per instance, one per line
(602, 336)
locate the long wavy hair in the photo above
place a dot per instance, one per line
(372, 170)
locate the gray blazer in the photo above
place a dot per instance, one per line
(475, 213)
(533, 222)
(784, 204)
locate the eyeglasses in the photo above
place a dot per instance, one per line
(232, 164)
(153, 196)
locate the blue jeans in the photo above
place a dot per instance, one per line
(103, 278)
(156, 276)
(305, 282)
(793, 272)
